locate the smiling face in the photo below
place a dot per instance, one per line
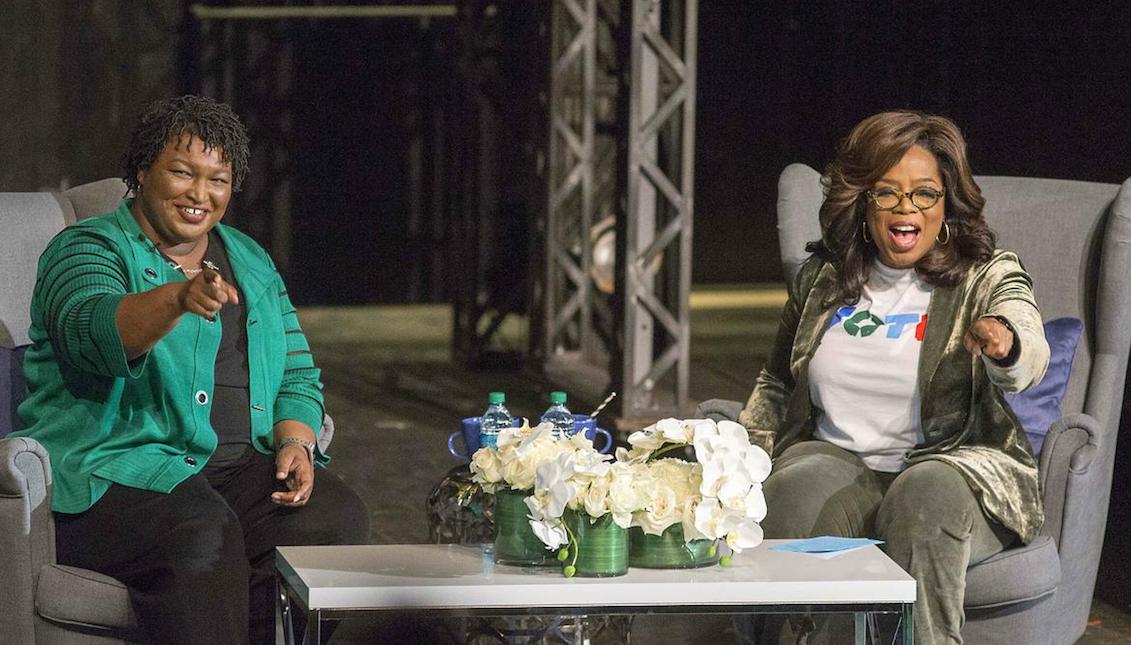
(183, 194)
(905, 233)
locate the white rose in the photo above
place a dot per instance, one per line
(596, 498)
(627, 492)
(519, 473)
(663, 511)
(486, 467)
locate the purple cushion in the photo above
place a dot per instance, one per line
(12, 390)
(1039, 407)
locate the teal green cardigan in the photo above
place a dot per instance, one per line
(145, 423)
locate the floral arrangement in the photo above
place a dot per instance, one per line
(719, 497)
(519, 453)
(583, 480)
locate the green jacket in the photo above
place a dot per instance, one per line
(145, 423)
(965, 420)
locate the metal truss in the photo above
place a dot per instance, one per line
(658, 223)
(568, 291)
(635, 161)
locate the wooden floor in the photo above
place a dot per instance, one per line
(396, 394)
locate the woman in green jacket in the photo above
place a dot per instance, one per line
(882, 400)
(177, 397)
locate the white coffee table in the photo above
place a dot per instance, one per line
(463, 580)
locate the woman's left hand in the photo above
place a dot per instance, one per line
(292, 464)
(988, 336)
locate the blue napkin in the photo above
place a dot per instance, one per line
(824, 544)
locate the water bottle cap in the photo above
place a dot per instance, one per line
(558, 398)
(495, 398)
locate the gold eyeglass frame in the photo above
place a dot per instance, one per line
(909, 195)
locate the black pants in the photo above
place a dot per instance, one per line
(199, 561)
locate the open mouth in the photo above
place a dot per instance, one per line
(904, 236)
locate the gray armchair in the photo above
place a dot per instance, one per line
(41, 601)
(1074, 238)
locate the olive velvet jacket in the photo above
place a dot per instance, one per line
(146, 423)
(965, 420)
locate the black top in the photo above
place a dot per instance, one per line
(231, 403)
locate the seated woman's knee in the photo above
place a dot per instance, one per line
(209, 542)
(929, 493)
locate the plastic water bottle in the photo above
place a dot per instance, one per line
(559, 415)
(494, 420)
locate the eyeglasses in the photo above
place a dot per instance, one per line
(889, 198)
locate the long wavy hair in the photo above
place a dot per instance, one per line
(876, 144)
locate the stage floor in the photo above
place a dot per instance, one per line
(396, 394)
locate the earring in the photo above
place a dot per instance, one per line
(946, 228)
(864, 231)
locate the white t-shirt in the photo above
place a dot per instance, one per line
(864, 375)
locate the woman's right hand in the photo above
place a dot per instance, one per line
(206, 293)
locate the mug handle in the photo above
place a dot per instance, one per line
(604, 450)
(452, 446)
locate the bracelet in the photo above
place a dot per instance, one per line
(309, 445)
(1014, 349)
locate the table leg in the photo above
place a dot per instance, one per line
(313, 627)
(908, 624)
(861, 622)
(283, 606)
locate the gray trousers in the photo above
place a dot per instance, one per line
(927, 516)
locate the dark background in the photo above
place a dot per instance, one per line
(1040, 89)
(1044, 91)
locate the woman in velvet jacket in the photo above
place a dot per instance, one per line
(900, 197)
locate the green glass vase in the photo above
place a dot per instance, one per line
(515, 542)
(668, 550)
(601, 546)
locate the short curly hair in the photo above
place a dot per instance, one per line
(212, 122)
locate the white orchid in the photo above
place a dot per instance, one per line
(552, 492)
(720, 498)
(579, 478)
(741, 532)
(551, 532)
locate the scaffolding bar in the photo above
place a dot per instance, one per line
(206, 12)
(661, 143)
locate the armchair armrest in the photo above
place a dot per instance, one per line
(25, 473)
(1067, 457)
(325, 433)
(718, 410)
(27, 532)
